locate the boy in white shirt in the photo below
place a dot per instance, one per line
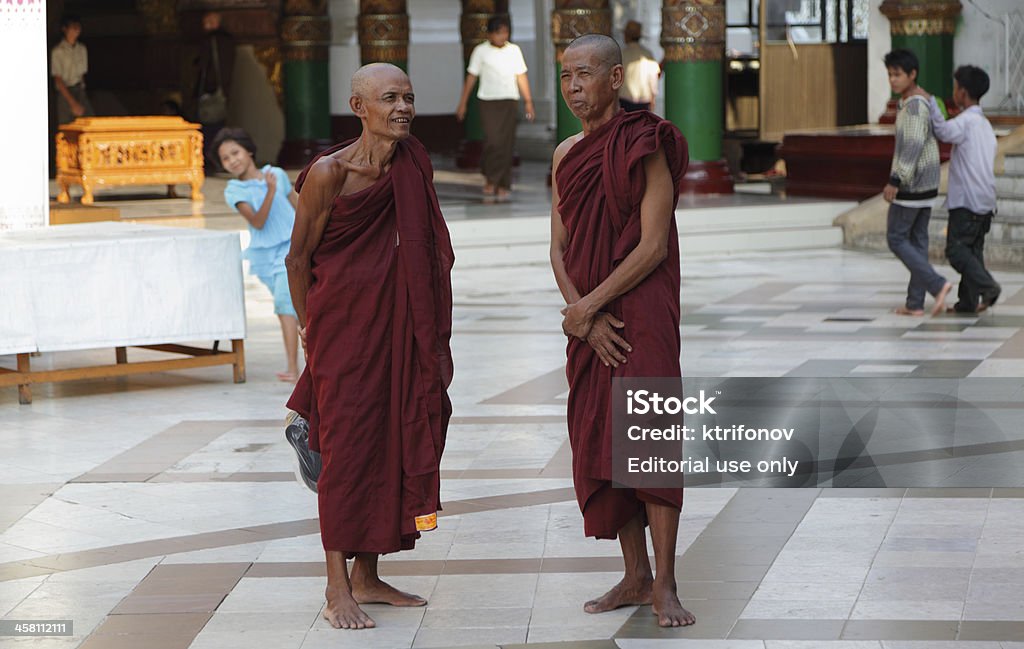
(971, 195)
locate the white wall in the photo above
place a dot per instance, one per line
(253, 105)
(979, 41)
(24, 164)
(879, 43)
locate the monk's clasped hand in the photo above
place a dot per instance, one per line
(577, 321)
(609, 346)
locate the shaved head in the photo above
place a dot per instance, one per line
(604, 48)
(366, 78)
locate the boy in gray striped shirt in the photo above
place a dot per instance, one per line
(913, 187)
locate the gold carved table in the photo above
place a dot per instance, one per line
(100, 152)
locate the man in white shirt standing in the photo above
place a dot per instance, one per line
(971, 195)
(69, 62)
(640, 71)
(501, 69)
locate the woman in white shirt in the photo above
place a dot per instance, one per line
(501, 70)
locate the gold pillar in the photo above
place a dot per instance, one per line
(473, 21)
(569, 20)
(384, 32)
(573, 18)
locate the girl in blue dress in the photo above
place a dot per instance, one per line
(266, 200)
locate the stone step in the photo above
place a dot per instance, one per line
(702, 231)
(1010, 205)
(1010, 185)
(1004, 244)
(1014, 164)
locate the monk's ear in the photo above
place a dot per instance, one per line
(355, 102)
(617, 76)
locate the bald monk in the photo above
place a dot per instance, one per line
(370, 276)
(615, 256)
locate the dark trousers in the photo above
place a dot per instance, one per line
(907, 235)
(498, 118)
(965, 249)
(64, 114)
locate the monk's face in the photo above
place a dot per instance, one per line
(386, 106)
(589, 84)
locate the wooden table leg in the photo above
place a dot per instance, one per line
(24, 389)
(238, 347)
(121, 353)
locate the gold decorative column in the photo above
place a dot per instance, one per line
(473, 28)
(926, 27)
(305, 38)
(570, 20)
(693, 36)
(384, 32)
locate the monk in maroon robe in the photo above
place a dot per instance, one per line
(615, 255)
(370, 277)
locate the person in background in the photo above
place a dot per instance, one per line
(215, 65)
(642, 71)
(69, 61)
(971, 196)
(266, 200)
(501, 69)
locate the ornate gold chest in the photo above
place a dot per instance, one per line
(100, 152)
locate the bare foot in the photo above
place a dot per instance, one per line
(940, 299)
(488, 190)
(624, 593)
(667, 607)
(342, 611)
(902, 310)
(287, 377)
(502, 195)
(380, 592)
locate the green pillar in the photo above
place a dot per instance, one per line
(693, 36)
(305, 38)
(569, 20)
(384, 32)
(926, 27)
(306, 92)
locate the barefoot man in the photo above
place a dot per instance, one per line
(370, 277)
(615, 256)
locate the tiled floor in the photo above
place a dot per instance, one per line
(159, 511)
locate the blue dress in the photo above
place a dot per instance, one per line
(268, 245)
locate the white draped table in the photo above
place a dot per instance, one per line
(120, 285)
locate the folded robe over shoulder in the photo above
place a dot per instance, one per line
(601, 182)
(379, 316)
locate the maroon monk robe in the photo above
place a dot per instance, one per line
(378, 325)
(601, 182)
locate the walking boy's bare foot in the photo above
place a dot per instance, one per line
(902, 310)
(940, 299)
(287, 377)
